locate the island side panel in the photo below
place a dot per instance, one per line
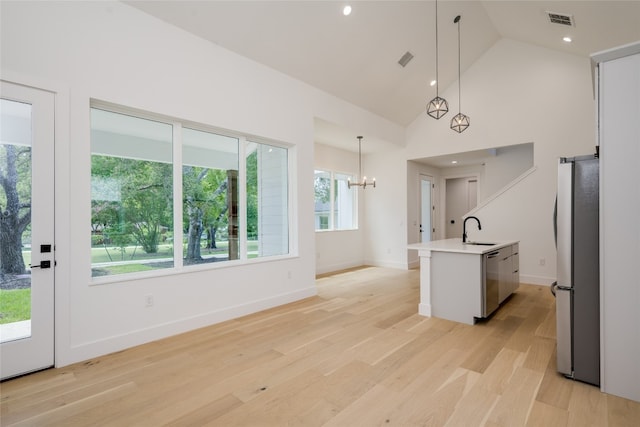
(424, 308)
(456, 286)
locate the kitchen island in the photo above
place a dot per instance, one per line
(465, 281)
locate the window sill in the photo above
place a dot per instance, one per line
(174, 271)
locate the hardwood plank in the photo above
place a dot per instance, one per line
(587, 407)
(206, 413)
(555, 390)
(59, 415)
(547, 415)
(511, 409)
(473, 408)
(622, 412)
(539, 353)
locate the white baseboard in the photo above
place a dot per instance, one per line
(536, 280)
(337, 267)
(424, 309)
(112, 344)
(386, 264)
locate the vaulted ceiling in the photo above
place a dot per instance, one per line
(356, 57)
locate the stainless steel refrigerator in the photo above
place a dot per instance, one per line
(577, 290)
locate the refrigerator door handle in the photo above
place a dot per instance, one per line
(564, 222)
(564, 330)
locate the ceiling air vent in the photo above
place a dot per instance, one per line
(408, 56)
(561, 19)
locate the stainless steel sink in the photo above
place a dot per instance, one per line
(480, 243)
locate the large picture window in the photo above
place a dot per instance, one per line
(135, 186)
(335, 203)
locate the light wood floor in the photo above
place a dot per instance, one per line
(356, 355)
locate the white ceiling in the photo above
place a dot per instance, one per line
(355, 57)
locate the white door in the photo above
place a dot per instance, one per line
(426, 208)
(26, 229)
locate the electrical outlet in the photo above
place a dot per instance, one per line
(148, 301)
(542, 262)
(289, 274)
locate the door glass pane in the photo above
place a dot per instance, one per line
(15, 220)
(210, 197)
(425, 209)
(131, 194)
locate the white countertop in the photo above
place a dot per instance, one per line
(456, 245)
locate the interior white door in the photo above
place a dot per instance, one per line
(26, 229)
(426, 208)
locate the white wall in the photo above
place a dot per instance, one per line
(385, 210)
(508, 164)
(115, 53)
(516, 93)
(337, 250)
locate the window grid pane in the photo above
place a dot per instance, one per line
(335, 202)
(267, 200)
(210, 197)
(131, 194)
(344, 203)
(322, 189)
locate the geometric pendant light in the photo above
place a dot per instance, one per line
(459, 122)
(437, 107)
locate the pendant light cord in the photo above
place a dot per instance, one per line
(459, 84)
(437, 79)
(359, 159)
(457, 19)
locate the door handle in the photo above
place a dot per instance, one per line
(43, 264)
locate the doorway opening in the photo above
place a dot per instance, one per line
(461, 195)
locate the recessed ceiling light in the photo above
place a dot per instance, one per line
(433, 83)
(566, 39)
(454, 162)
(346, 11)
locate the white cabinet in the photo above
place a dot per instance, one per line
(456, 291)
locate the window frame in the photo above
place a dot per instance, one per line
(177, 182)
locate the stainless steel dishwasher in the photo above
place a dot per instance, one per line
(491, 279)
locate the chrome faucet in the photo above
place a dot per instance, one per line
(464, 227)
